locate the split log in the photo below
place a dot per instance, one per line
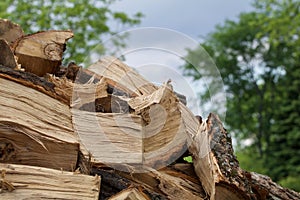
(35, 129)
(169, 183)
(164, 139)
(145, 139)
(41, 52)
(10, 31)
(213, 158)
(122, 77)
(112, 138)
(27, 182)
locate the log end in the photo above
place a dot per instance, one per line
(41, 53)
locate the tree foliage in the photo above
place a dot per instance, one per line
(90, 20)
(258, 58)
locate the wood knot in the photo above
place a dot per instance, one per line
(53, 51)
(7, 151)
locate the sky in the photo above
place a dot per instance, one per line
(157, 47)
(196, 18)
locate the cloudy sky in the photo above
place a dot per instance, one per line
(195, 18)
(157, 53)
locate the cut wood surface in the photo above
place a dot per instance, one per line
(28, 182)
(41, 52)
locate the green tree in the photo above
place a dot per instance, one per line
(258, 58)
(90, 20)
(284, 31)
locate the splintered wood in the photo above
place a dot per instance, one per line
(107, 121)
(28, 182)
(130, 194)
(35, 128)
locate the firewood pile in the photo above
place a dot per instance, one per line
(107, 133)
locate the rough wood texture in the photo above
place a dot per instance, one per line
(213, 158)
(112, 138)
(10, 31)
(41, 52)
(111, 182)
(164, 138)
(264, 188)
(27, 182)
(35, 129)
(130, 194)
(7, 57)
(169, 183)
(122, 77)
(125, 122)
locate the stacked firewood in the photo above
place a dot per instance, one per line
(106, 133)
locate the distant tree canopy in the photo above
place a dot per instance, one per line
(259, 60)
(90, 20)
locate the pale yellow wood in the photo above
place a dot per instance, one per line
(129, 194)
(30, 182)
(35, 129)
(112, 138)
(164, 137)
(219, 182)
(123, 77)
(200, 149)
(77, 94)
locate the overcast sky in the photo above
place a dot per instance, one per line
(192, 17)
(158, 53)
